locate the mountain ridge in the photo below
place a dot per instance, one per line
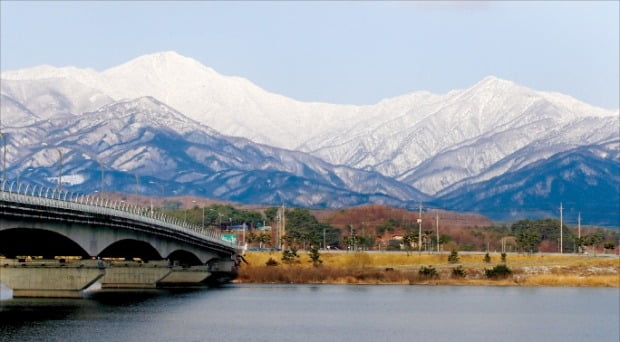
(435, 143)
(146, 137)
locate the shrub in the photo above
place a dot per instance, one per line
(315, 256)
(487, 258)
(428, 272)
(609, 246)
(289, 256)
(499, 271)
(504, 258)
(271, 262)
(453, 258)
(459, 272)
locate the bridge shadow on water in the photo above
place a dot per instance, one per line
(32, 314)
(125, 297)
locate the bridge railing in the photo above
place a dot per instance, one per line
(96, 204)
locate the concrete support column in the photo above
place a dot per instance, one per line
(49, 278)
(179, 276)
(224, 266)
(135, 275)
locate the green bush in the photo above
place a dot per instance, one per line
(459, 272)
(487, 258)
(428, 272)
(504, 258)
(289, 256)
(453, 258)
(315, 256)
(499, 271)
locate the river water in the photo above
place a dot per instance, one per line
(243, 312)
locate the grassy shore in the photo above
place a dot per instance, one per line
(400, 268)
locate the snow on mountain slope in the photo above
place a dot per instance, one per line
(428, 140)
(585, 179)
(493, 154)
(25, 101)
(441, 123)
(14, 113)
(146, 137)
(596, 130)
(231, 105)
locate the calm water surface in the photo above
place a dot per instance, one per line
(320, 313)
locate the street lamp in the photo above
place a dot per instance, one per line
(186, 210)
(243, 235)
(219, 216)
(137, 186)
(19, 175)
(3, 135)
(101, 166)
(161, 187)
(59, 170)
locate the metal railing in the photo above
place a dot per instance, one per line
(11, 191)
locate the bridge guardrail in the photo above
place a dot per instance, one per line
(49, 197)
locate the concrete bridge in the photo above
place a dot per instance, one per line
(56, 244)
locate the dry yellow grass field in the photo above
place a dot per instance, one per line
(400, 268)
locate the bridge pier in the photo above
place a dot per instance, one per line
(180, 276)
(154, 274)
(49, 278)
(222, 271)
(135, 275)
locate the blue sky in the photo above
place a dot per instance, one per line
(337, 52)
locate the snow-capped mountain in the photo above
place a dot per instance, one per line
(26, 101)
(231, 105)
(426, 140)
(146, 137)
(216, 141)
(445, 139)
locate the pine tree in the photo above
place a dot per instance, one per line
(315, 256)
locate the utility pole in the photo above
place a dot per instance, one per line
(579, 225)
(351, 238)
(282, 226)
(437, 226)
(561, 230)
(579, 231)
(283, 220)
(420, 229)
(278, 240)
(324, 246)
(59, 170)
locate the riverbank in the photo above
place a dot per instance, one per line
(434, 269)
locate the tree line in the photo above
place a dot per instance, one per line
(304, 230)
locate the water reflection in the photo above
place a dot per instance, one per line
(319, 312)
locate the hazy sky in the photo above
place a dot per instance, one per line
(337, 52)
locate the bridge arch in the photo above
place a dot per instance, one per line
(19, 241)
(184, 258)
(129, 249)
